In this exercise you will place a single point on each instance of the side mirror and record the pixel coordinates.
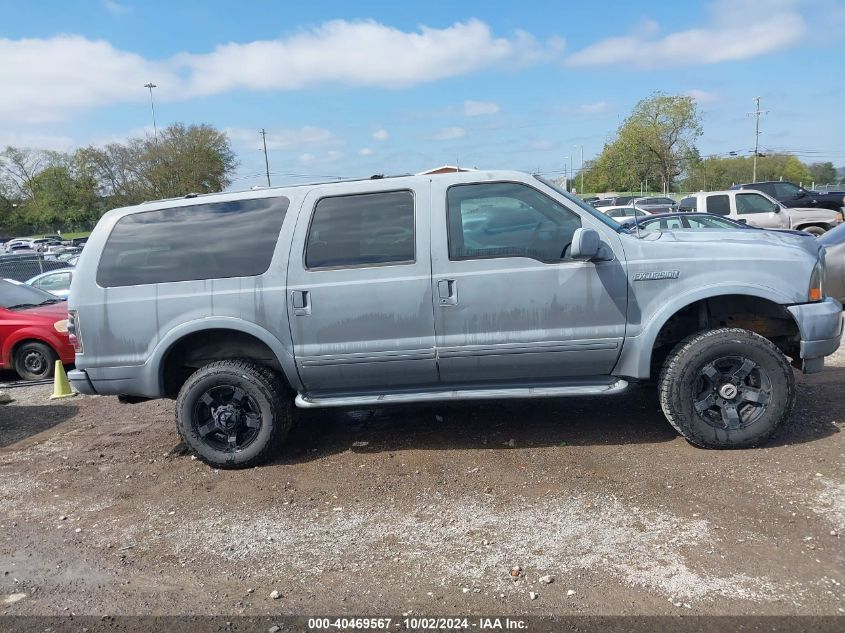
(585, 244)
(742, 221)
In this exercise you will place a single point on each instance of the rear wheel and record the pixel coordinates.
(35, 360)
(233, 414)
(726, 388)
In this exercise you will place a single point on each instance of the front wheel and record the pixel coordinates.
(726, 388)
(816, 231)
(35, 361)
(233, 414)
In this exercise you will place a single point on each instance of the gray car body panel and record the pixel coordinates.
(391, 329)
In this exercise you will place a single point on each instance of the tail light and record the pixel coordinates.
(73, 331)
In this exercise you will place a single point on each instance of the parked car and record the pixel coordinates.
(758, 209)
(834, 279)
(33, 331)
(656, 204)
(624, 212)
(78, 241)
(791, 195)
(23, 266)
(614, 201)
(469, 286)
(673, 221)
(56, 282)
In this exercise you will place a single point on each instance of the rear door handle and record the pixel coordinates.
(301, 302)
(447, 291)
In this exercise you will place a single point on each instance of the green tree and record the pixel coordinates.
(656, 143)
(823, 173)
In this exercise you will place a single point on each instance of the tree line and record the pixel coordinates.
(654, 148)
(43, 190)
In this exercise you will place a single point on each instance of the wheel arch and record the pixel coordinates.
(229, 332)
(637, 354)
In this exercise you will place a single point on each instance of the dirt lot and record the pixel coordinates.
(423, 510)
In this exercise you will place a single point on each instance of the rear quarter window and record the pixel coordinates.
(204, 241)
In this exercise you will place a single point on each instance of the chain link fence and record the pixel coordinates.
(22, 267)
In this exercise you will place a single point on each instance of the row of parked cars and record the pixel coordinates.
(776, 205)
(35, 277)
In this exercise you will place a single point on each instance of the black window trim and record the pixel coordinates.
(404, 262)
(501, 182)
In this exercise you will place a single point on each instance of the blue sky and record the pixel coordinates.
(354, 88)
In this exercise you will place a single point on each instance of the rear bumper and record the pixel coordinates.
(80, 382)
(820, 325)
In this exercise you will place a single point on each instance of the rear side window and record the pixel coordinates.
(361, 230)
(687, 204)
(720, 205)
(203, 241)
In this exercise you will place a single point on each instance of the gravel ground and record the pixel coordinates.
(423, 510)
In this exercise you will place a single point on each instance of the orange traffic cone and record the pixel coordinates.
(61, 386)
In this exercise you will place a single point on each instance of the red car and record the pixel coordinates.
(33, 331)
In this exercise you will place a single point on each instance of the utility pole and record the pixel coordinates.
(581, 190)
(756, 114)
(150, 86)
(266, 161)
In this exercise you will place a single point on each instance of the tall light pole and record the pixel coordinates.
(581, 147)
(566, 161)
(150, 86)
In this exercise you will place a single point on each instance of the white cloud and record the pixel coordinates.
(50, 79)
(284, 139)
(381, 135)
(594, 108)
(703, 96)
(365, 151)
(116, 8)
(478, 108)
(307, 159)
(359, 53)
(737, 29)
(58, 143)
(449, 134)
(333, 155)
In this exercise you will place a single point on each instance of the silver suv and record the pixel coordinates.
(473, 285)
(759, 209)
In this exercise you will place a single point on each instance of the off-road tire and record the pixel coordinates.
(682, 376)
(261, 386)
(24, 357)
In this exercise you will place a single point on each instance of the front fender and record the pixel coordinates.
(34, 334)
(635, 358)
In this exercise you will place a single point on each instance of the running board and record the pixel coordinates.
(599, 389)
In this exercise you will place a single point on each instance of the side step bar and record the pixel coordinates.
(597, 389)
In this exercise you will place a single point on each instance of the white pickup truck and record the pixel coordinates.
(758, 209)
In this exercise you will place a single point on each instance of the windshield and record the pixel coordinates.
(19, 296)
(601, 217)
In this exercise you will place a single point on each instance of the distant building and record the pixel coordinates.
(444, 169)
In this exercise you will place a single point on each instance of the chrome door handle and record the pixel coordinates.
(447, 290)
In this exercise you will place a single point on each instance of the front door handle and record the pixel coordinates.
(447, 291)
(301, 302)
